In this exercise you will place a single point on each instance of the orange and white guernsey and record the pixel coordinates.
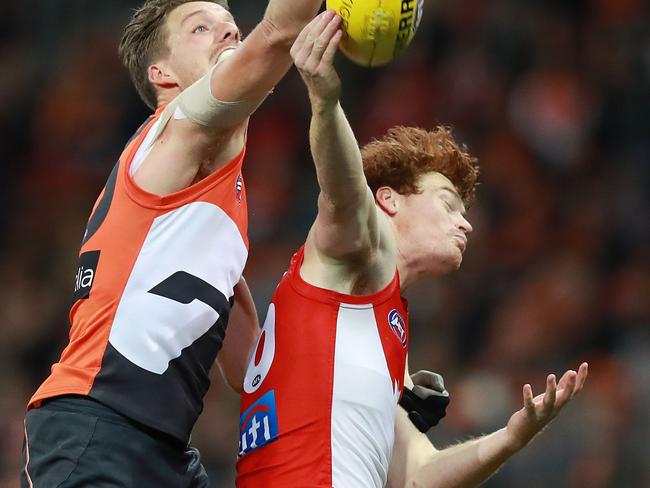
(152, 293)
(322, 388)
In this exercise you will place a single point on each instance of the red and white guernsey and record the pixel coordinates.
(152, 293)
(322, 387)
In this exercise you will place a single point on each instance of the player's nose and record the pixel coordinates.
(465, 226)
(230, 33)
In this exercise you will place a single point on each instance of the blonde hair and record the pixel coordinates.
(144, 40)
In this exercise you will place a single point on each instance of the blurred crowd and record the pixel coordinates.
(552, 96)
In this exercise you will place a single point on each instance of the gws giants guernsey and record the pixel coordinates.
(322, 386)
(152, 294)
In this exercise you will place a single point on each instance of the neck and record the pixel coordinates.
(408, 274)
(413, 266)
(406, 258)
(167, 96)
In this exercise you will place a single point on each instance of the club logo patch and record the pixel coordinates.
(83, 281)
(398, 325)
(258, 425)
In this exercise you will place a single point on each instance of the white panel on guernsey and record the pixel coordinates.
(198, 241)
(265, 346)
(144, 149)
(364, 404)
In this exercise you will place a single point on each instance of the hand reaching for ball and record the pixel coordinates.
(313, 54)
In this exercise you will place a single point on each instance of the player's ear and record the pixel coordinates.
(159, 76)
(387, 199)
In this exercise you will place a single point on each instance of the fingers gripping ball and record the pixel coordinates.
(376, 30)
(426, 404)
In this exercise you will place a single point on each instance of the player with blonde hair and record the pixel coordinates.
(160, 266)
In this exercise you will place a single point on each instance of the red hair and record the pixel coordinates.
(404, 154)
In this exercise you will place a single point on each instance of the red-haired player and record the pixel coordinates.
(320, 402)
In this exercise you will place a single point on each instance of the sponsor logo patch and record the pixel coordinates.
(398, 325)
(83, 281)
(258, 425)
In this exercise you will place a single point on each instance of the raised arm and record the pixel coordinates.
(204, 124)
(416, 462)
(263, 58)
(347, 225)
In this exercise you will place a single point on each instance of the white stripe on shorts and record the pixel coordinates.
(29, 478)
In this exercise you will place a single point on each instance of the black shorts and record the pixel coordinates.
(74, 442)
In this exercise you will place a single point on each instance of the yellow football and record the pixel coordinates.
(376, 30)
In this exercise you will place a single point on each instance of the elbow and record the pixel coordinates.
(235, 382)
(415, 481)
(414, 484)
(421, 474)
(236, 387)
(232, 376)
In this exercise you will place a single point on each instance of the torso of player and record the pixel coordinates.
(152, 293)
(322, 386)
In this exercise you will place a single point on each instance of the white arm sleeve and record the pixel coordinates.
(198, 104)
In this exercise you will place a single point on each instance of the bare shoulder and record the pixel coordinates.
(360, 274)
(181, 154)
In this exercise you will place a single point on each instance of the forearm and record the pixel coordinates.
(252, 71)
(334, 148)
(417, 463)
(464, 465)
(241, 335)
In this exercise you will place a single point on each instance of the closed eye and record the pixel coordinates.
(452, 201)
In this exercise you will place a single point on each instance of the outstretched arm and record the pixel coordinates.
(346, 225)
(204, 126)
(417, 463)
(257, 66)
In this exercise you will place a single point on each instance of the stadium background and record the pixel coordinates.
(554, 98)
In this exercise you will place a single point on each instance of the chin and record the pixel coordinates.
(454, 266)
(443, 265)
(454, 261)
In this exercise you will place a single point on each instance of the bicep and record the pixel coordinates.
(411, 450)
